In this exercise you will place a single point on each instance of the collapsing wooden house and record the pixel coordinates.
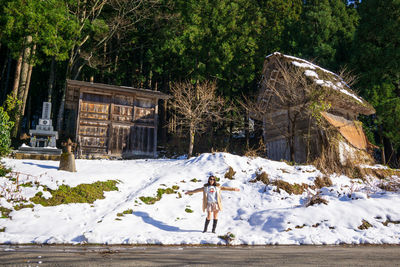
(309, 112)
(108, 120)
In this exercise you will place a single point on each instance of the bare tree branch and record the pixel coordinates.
(196, 106)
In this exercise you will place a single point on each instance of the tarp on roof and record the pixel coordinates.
(351, 130)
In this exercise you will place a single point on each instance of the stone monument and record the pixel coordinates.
(43, 138)
(44, 135)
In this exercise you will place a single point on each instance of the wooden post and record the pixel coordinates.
(77, 123)
(155, 127)
(110, 125)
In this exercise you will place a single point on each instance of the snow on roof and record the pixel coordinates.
(339, 84)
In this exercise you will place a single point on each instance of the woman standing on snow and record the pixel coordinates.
(211, 199)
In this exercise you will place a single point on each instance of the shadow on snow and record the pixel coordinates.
(41, 165)
(160, 225)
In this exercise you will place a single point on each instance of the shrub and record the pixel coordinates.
(83, 193)
(5, 129)
(3, 170)
(6, 124)
(189, 210)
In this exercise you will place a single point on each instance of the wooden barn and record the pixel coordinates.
(111, 121)
(309, 111)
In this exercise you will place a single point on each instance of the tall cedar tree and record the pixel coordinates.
(325, 32)
(377, 57)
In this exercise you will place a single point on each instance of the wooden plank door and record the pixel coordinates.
(93, 132)
(120, 139)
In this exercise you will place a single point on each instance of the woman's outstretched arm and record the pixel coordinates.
(226, 188)
(198, 190)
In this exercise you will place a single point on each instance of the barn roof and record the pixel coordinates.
(127, 89)
(328, 80)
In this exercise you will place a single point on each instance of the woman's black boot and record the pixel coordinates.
(214, 225)
(206, 225)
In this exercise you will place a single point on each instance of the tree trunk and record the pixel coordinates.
(61, 109)
(23, 82)
(5, 77)
(247, 128)
(264, 126)
(308, 159)
(8, 75)
(60, 115)
(292, 135)
(28, 81)
(383, 145)
(164, 122)
(50, 82)
(4, 67)
(29, 112)
(17, 74)
(191, 141)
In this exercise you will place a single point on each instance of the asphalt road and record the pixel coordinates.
(89, 255)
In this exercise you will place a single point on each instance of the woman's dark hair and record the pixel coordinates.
(215, 181)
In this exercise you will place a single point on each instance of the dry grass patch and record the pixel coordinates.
(261, 176)
(316, 199)
(364, 225)
(296, 189)
(386, 223)
(228, 237)
(392, 186)
(381, 173)
(230, 173)
(324, 181)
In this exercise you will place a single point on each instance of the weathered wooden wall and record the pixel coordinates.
(120, 124)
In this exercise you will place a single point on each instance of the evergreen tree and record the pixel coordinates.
(326, 32)
(217, 40)
(377, 57)
(29, 27)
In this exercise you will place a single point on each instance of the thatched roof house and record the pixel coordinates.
(308, 111)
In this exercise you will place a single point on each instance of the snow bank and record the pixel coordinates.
(256, 215)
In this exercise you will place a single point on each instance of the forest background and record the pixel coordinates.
(156, 43)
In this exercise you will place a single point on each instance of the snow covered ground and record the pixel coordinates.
(258, 214)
